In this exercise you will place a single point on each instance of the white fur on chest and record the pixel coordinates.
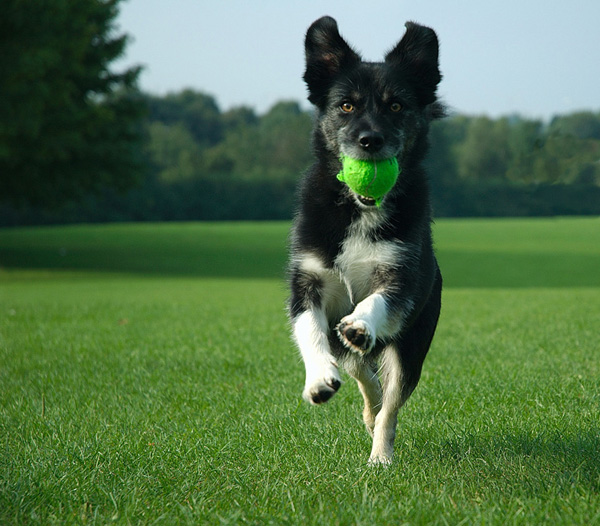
(359, 258)
(351, 278)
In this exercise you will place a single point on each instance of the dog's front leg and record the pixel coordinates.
(371, 319)
(322, 375)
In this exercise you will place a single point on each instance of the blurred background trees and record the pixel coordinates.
(78, 142)
(68, 124)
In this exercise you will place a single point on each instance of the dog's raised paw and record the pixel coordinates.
(321, 391)
(356, 335)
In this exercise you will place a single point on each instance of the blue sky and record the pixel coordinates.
(533, 57)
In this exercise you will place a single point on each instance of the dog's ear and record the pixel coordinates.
(417, 54)
(327, 55)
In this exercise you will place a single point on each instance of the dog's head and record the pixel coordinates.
(371, 110)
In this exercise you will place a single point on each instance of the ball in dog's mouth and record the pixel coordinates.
(370, 179)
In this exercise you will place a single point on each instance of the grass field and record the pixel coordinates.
(147, 377)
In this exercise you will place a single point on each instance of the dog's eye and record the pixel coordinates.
(347, 107)
(395, 107)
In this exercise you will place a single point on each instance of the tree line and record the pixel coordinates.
(79, 142)
(197, 162)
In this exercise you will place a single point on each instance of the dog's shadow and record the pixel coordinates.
(548, 460)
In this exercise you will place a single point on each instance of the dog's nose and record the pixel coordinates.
(371, 140)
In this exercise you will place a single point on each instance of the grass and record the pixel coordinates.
(147, 377)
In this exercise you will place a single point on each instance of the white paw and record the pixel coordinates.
(357, 335)
(321, 388)
(380, 460)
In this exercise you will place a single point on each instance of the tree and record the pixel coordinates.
(583, 125)
(276, 148)
(68, 124)
(526, 140)
(198, 112)
(174, 152)
(239, 117)
(285, 133)
(484, 154)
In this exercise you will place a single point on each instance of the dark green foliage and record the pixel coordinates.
(197, 112)
(275, 147)
(583, 125)
(68, 124)
(70, 135)
(515, 167)
(246, 166)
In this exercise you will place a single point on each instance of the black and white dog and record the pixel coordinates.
(365, 284)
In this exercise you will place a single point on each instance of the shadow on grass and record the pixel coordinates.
(188, 250)
(259, 250)
(254, 259)
(539, 463)
(519, 269)
(231, 263)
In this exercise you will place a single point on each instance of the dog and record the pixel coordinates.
(365, 286)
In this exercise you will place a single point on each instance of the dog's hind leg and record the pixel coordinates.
(393, 397)
(365, 374)
(401, 364)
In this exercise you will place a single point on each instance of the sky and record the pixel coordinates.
(535, 58)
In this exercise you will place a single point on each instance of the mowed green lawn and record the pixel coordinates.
(147, 376)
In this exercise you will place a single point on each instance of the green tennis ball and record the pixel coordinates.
(369, 178)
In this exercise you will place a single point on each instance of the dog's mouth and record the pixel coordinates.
(367, 201)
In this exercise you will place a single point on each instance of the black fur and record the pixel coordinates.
(369, 111)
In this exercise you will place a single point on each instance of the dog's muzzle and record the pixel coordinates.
(367, 201)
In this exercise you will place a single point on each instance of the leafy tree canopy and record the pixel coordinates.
(68, 124)
(198, 112)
